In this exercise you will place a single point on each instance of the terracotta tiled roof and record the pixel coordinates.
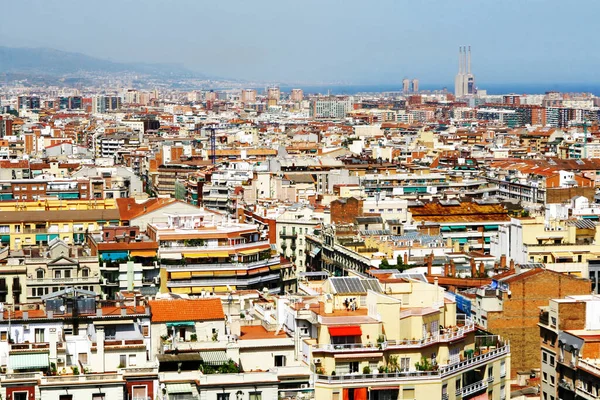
(259, 332)
(186, 310)
(129, 208)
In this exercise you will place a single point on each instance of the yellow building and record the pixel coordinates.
(400, 339)
(37, 223)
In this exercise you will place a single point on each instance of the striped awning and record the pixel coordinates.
(28, 361)
(173, 388)
(142, 253)
(206, 254)
(216, 357)
(171, 256)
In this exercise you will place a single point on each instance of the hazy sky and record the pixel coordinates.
(312, 41)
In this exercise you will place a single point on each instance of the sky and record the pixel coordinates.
(323, 41)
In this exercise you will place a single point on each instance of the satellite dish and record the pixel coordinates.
(62, 308)
(162, 386)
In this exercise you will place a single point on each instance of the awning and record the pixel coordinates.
(173, 388)
(113, 322)
(315, 251)
(563, 255)
(358, 355)
(114, 255)
(181, 275)
(349, 330)
(143, 253)
(181, 357)
(445, 229)
(28, 361)
(251, 251)
(216, 357)
(459, 228)
(171, 256)
(491, 227)
(384, 388)
(179, 324)
(206, 254)
(461, 240)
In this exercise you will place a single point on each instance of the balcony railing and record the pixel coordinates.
(253, 264)
(83, 378)
(29, 346)
(589, 366)
(448, 335)
(544, 318)
(176, 248)
(473, 388)
(442, 372)
(408, 375)
(473, 361)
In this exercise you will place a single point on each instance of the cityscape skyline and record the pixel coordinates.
(394, 48)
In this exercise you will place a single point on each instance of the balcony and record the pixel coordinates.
(85, 378)
(448, 335)
(288, 235)
(544, 318)
(29, 347)
(471, 389)
(589, 365)
(210, 267)
(442, 372)
(232, 249)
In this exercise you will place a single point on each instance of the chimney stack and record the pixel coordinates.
(429, 264)
(469, 58)
(473, 268)
(452, 268)
(502, 261)
(481, 269)
(446, 269)
(512, 265)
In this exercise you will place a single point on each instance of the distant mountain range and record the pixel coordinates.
(60, 63)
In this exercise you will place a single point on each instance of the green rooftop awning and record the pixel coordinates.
(491, 227)
(445, 229)
(179, 324)
(487, 239)
(459, 228)
(217, 357)
(461, 240)
(28, 361)
(173, 388)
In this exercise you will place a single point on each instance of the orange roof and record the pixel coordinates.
(186, 310)
(259, 332)
(129, 208)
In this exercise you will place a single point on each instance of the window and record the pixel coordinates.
(3, 336)
(85, 272)
(544, 357)
(39, 335)
(65, 397)
(255, 396)
(408, 393)
(491, 371)
(336, 396)
(132, 360)
(552, 361)
(280, 361)
(545, 377)
(503, 369)
(145, 330)
(552, 380)
(57, 274)
(40, 273)
(404, 364)
(98, 396)
(20, 395)
(122, 361)
(67, 273)
(83, 358)
(139, 392)
(222, 396)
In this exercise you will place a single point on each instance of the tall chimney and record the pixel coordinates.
(502, 261)
(473, 268)
(469, 71)
(429, 264)
(459, 60)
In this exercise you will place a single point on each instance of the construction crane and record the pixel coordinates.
(584, 124)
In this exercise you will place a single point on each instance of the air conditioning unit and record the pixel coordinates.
(304, 386)
(26, 327)
(60, 360)
(317, 361)
(156, 280)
